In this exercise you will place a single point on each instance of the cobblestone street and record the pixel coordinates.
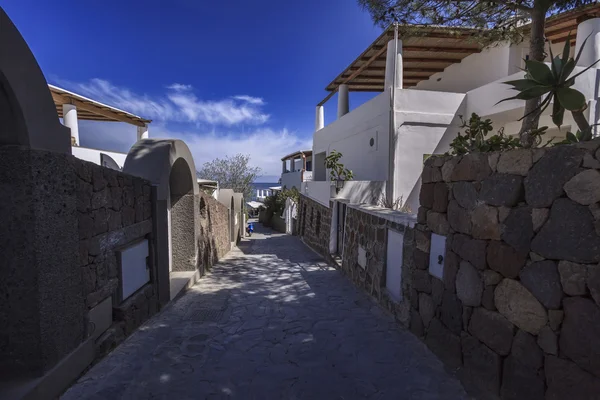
(271, 321)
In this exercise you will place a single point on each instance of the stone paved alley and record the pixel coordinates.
(271, 321)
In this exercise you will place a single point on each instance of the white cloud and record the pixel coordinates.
(249, 99)
(180, 114)
(179, 104)
(179, 86)
(265, 146)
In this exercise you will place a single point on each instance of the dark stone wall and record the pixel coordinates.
(41, 308)
(62, 220)
(213, 231)
(369, 230)
(113, 210)
(518, 310)
(314, 224)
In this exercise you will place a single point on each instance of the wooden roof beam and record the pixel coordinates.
(107, 113)
(356, 73)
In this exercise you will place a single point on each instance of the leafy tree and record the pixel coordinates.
(494, 21)
(232, 173)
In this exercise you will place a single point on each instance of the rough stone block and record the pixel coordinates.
(492, 329)
(471, 250)
(573, 277)
(102, 293)
(487, 298)
(444, 344)
(127, 216)
(580, 332)
(491, 277)
(546, 179)
(426, 309)
(525, 350)
(555, 318)
(520, 382)
(593, 282)
(584, 188)
(567, 381)
(459, 218)
(114, 220)
(483, 368)
(548, 341)
(101, 199)
(502, 190)
(517, 162)
(484, 223)
(493, 160)
(421, 259)
(116, 195)
(421, 281)
(466, 317)
(569, 234)
(469, 285)
(472, 167)
(519, 306)
(451, 265)
(440, 197)
(100, 221)
(437, 291)
(590, 162)
(448, 168)
(543, 281)
(465, 194)
(451, 313)
(431, 174)
(438, 223)
(539, 217)
(505, 259)
(422, 215)
(98, 179)
(86, 226)
(422, 240)
(426, 195)
(517, 229)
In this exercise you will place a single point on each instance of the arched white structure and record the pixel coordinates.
(27, 113)
(169, 165)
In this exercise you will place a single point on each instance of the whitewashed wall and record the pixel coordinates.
(93, 155)
(351, 136)
(423, 119)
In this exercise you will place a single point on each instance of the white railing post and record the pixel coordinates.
(70, 120)
(343, 101)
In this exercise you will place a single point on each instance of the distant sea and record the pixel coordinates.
(257, 186)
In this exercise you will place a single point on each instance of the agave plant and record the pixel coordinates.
(555, 82)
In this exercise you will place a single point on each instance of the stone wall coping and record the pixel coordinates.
(405, 219)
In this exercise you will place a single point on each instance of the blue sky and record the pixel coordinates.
(225, 76)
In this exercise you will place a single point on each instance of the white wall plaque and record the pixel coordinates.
(437, 255)
(362, 257)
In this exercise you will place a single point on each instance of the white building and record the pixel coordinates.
(72, 107)
(427, 82)
(297, 168)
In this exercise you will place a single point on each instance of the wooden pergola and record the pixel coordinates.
(88, 109)
(434, 49)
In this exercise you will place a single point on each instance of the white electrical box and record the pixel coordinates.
(437, 255)
(362, 257)
(393, 270)
(135, 271)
